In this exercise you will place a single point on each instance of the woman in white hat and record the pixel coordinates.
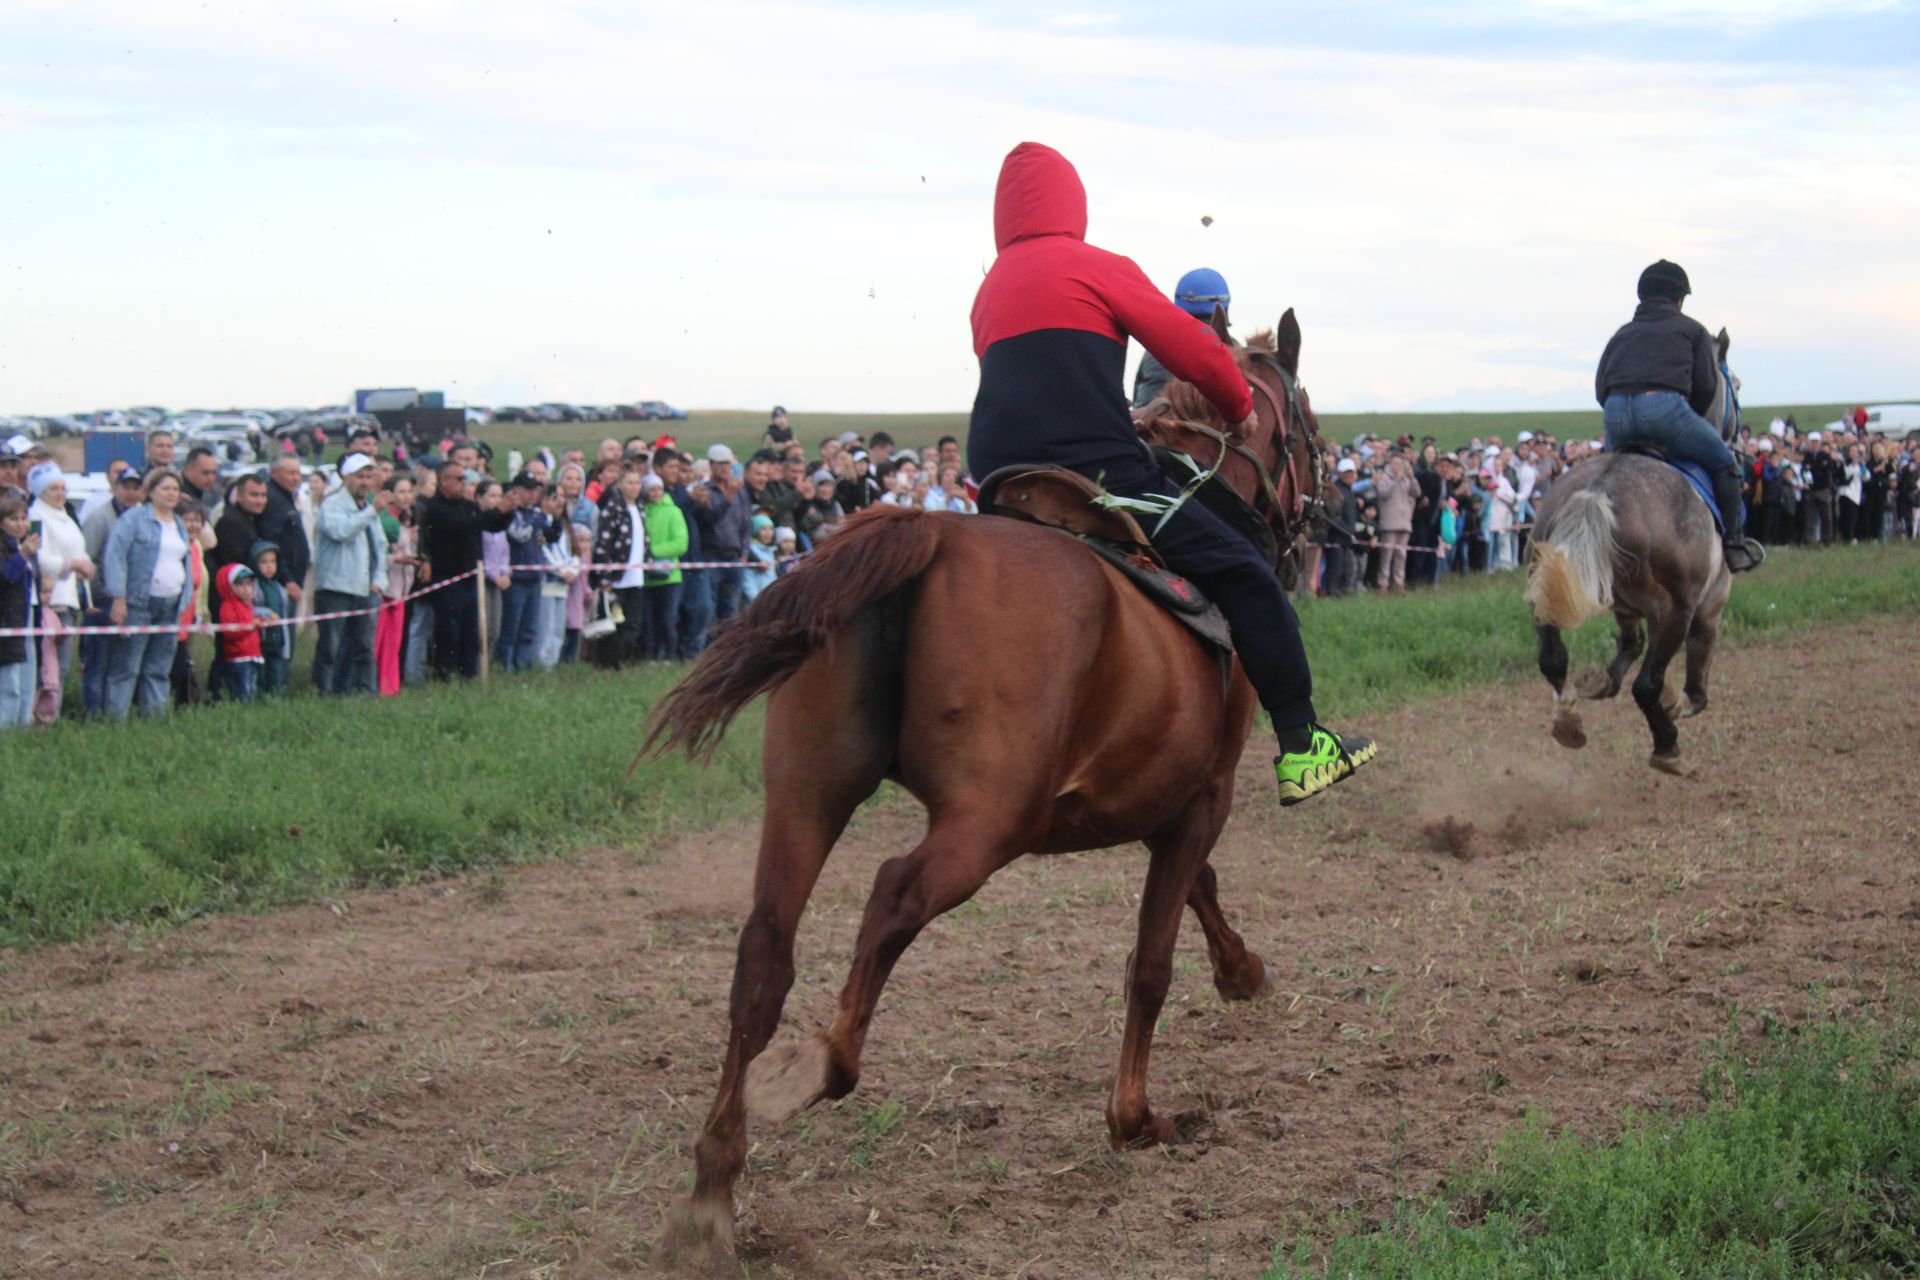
(64, 566)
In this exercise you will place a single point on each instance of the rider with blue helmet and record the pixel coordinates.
(1199, 291)
(1657, 378)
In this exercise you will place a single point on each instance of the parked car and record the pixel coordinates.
(514, 413)
(1894, 421)
(558, 412)
(656, 410)
(233, 438)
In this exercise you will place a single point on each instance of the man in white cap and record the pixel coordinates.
(722, 512)
(1340, 522)
(349, 567)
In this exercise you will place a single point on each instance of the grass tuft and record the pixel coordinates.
(1803, 1162)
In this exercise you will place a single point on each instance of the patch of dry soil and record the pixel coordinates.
(503, 1076)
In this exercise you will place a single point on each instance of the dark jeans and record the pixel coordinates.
(456, 631)
(1199, 545)
(343, 653)
(94, 651)
(663, 609)
(1340, 561)
(696, 611)
(238, 679)
(519, 625)
(726, 590)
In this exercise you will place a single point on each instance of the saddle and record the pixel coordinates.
(1067, 501)
(1695, 475)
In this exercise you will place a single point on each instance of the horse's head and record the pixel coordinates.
(1277, 468)
(1725, 413)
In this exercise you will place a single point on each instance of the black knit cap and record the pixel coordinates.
(1664, 280)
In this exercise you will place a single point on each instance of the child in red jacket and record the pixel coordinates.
(240, 650)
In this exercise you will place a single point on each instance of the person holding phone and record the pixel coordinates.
(19, 582)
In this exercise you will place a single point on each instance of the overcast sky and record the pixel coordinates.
(729, 204)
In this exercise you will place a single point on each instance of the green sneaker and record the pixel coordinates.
(1327, 759)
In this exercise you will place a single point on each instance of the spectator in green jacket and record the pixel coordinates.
(666, 541)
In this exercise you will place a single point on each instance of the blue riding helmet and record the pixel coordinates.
(1200, 290)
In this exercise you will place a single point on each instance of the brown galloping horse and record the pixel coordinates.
(1073, 715)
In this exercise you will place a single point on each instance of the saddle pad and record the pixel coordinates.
(1171, 592)
(1703, 485)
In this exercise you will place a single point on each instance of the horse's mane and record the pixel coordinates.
(1263, 341)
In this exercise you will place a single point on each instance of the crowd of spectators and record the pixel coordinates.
(410, 569)
(1402, 514)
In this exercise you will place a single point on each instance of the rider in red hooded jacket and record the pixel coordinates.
(1050, 325)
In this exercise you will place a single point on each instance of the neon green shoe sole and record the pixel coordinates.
(1329, 759)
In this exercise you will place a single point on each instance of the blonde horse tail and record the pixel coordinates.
(1570, 577)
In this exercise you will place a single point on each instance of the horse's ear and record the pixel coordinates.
(1220, 324)
(1286, 343)
(1721, 342)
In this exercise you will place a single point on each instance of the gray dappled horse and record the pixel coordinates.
(1627, 533)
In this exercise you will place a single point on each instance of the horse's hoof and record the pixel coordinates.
(698, 1237)
(1594, 684)
(1667, 763)
(1693, 709)
(786, 1079)
(1568, 733)
(1158, 1131)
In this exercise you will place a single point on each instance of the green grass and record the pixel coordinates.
(741, 428)
(1373, 653)
(1803, 1162)
(241, 807)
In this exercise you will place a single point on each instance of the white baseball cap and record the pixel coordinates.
(1526, 437)
(1813, 435)
(1348, 464)
(719, 453)
(1764, 445)
(354, 462)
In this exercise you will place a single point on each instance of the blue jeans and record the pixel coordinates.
(663, 608)
(95, 653)
(343, 651)
(240, 679)
(19, 685)
(519, 625)
(144, 660)
(413, 663)
(727, 585)
(696, 610)
(1665, 419)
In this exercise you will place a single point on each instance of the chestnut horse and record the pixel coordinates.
(1114, 725)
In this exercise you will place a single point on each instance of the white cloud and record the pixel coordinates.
(277, 204)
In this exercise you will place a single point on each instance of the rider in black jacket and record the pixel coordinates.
(1656, 378)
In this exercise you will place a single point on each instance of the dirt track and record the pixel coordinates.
(503, 1076)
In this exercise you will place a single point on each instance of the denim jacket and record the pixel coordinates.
(350, 550)
(133, 548)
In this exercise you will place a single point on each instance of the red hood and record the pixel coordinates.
(1039, 195)
(223, 580)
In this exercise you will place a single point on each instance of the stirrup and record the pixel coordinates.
(1743, 554)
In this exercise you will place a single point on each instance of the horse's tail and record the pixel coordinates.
(873, 555)
(1571, 575)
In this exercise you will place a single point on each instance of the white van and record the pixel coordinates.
(1894, 421)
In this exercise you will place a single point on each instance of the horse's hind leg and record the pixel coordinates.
(1632, 640)
(1238, 974)
(946, 869)
(1700, 641)
(1179, 854)
(1651, 692)
(1567, 730)
(807, 807)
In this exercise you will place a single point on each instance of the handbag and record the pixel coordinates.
(606, 619)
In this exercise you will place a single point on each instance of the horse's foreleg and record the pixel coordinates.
(946, 869)
(1650, 688)
(1238, 973)
(1178, 858)
(1567, 730)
